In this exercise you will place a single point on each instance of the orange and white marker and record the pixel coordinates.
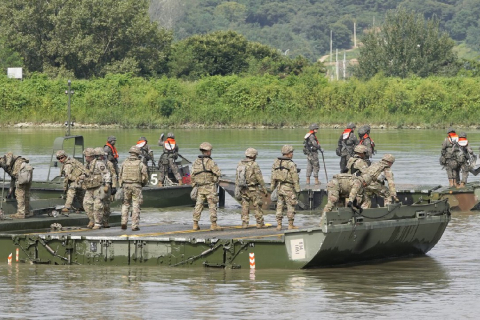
(252, 260)
(16, 255)
(10, 258)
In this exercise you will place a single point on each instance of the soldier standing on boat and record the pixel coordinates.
(346, 144)
(205, 175)
(250, 184)
(167, 159)
(71, 170)
(133, 176)
(466, 158)
(145, 151)
(367, 141)
(111, 151)
(20, 172)
(285, 179)
(96, 182)
(448, 157)
(310, 149)
(100, 153)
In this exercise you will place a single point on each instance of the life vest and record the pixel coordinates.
(453, 137)
(141, 143)
(346, 134)
(365, 136)
(114, 150)
(169, 145)
(463, 142)
(132, 171)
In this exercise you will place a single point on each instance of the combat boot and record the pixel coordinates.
(290, 225)
(90, 225)
(97, 226)
(124, 226)
(316, 181)
(461, 185)
(66, 210)
(106, 225)
(261, 226)
(308, 180)
(279, 225)
(17, 216)
(450, 182)
(135, 228)
(160, 184)
(244, 225)
(195, 225)
(214, 226)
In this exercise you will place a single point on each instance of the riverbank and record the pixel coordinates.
(122, 101)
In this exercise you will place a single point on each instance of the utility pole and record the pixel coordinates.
(331, 50)
(336, 62)
(69, 92)
(344, 65)
(354, 34)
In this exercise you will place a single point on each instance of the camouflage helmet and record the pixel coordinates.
(351, 125)
(367, 128)
(360, 148)
(388, 157)
(361, 131)
(286, 149)
(143, 138)
(111, 138)
(89, 152)
(99, 151)
(462, 135)
(449, 130)
(314, 126)
(170, 135)
(134, 149)
(206, 146)
(61, 154)
(251, 152)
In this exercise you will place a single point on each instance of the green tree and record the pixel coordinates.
(8, 57)
(231, 11)
(86, 37)
(406, 44)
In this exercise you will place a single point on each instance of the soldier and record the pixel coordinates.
(20, 172)
(346, 144)
(374, 178)
(310, 149)
(366, 140)
(100, 153)
(285, 180)
(96, 182)
(111, 151)
(72, 169)
(133, 176)
(344, 186)
(145, 151)
(250, 182)
(167, 159)
(448, 158)
(205, 175)
(357, 165)
(466, 158)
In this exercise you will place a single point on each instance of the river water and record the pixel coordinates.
(444, 284)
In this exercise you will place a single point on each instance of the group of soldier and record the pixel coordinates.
(359, 179)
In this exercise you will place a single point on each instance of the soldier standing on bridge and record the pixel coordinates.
(366, 140)
(72, 169)
(167, 159)
(311, 146)
(346, 144)
(111, 151)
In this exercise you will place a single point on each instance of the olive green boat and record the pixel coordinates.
(343, 237)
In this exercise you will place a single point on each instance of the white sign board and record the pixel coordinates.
(14, 73)
(297, 247)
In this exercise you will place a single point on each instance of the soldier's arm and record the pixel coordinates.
(144, 171)
(444, 145)
(296, 179)
(107, 178)
(391, 184)
(215, 169)
(313, 142)
(259, 177)
(368, 144)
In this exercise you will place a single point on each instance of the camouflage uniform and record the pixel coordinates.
(111, 151)
(205, 174)
(364, 135)
(72, 169)
(311, 148)
(167, 159)
(346, 144)
(374, 178)
(133, 176)
(285, 179)
(448, 159)
(112, 187)
(15, 165)
(344, 186)
(145, 151)
(466, 158)
(253, 192)
(96, 183)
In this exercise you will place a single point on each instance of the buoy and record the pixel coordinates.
(252, 260)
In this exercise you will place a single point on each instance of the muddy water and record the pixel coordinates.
(443, 284)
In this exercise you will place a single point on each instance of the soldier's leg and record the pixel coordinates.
(27, 198)
(127, 198)
(212, 200)
(70, 196)
(309, 167)
(245, 206)
(20, 194)
(106, 208)
(98, 208)
(291, 201)
(367, 200)
(333, 195)
(174, 168)
(465, 173)
(343, 164)
(197, 211)
(280, 206)
(137, 200)
(161, 175)
(257, 205)
(315, 165)
(88, 206)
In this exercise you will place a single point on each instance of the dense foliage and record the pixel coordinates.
(303, 26)
(406, 44)
(235, 100)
